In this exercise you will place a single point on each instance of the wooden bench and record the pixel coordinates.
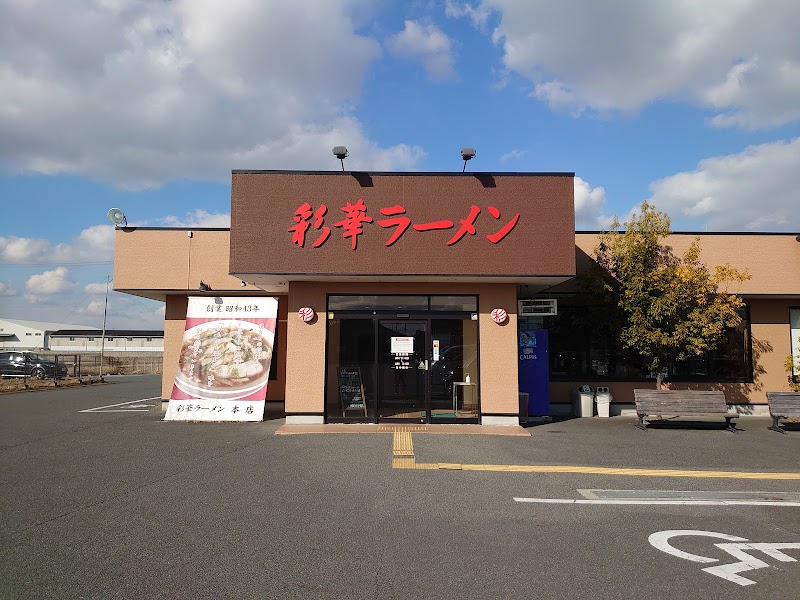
(783, 405)
(681, 403)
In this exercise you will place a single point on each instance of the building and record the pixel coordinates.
(56, 337)
(19, 334)
(414, 282)
(116, 340)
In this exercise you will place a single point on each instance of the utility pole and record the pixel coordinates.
(103, 338)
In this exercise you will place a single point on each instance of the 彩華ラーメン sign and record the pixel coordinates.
(295, 226)
(225, 359)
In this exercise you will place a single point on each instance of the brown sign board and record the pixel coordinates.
(512, 225)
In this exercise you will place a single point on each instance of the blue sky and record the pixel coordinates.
(148, 106)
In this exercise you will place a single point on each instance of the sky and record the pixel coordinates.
(147, 105)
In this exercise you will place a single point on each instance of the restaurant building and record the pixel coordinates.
(438, 297)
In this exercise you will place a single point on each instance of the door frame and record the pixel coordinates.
(380, 313)
(426, 383)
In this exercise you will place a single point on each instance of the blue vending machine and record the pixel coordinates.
(534, 370)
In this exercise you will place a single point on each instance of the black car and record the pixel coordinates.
(20, 364)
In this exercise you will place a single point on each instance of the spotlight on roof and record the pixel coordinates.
(204, 287)
(798, 237)
(467, 154)
(340, 152)
(243, 284)
(117, 217)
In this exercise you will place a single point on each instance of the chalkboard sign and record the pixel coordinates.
(351, 390)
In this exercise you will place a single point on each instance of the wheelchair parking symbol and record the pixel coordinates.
(738, 547)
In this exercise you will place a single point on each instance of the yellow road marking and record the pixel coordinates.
(403, 446)
(403, 458)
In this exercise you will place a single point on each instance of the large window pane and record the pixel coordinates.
(582, 346)
(454, 369)
(454, 303)
(397, 303)
(351, 356)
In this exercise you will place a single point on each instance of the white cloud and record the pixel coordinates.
(428, 43)
(589, 204)
(96, 307)
(198, 218)
(95, 288)
(478, 14)
(513, 155)
(740, 59)
(754, 190)
(94, 244)
(7, 290)
(143, 92)
(50, 282)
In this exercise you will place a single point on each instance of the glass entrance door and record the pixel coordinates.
(402, 370)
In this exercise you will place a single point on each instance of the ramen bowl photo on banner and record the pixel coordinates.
(225, 359)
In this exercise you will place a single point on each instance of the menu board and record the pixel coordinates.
(351, 390)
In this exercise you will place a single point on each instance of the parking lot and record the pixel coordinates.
(102, 499)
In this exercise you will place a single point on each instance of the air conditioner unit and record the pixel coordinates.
(537, 307)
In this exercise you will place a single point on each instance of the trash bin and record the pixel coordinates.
(603, 398)
(583, 401)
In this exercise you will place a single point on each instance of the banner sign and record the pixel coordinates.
(534, 370)
(225, 359)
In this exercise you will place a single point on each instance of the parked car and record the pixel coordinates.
(20, 364)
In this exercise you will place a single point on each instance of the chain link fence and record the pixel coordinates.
(87, 364)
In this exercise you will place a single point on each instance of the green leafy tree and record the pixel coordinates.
(670, 307)
(792, 366)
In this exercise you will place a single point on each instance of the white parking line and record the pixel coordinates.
(659, 502)
(130, 409)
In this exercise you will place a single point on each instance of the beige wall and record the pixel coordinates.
(773, 260)
(305, 371)
(154, 262)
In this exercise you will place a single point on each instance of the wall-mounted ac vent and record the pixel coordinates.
(537, 307)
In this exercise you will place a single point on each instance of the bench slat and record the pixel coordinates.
(681, 403)
(784, 404)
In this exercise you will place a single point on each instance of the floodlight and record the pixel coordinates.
(467, 154)
(340, 152)
(117, 217)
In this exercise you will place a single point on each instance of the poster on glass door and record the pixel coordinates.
(225, 358)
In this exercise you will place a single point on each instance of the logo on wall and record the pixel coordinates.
(306, 314)
(499, 315)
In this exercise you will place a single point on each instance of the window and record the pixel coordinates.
(28, 333)
(582, 347)
(71, 339)
(91, 339)
(39, 334)
(109, 339)
(149, 339)
(129, 339)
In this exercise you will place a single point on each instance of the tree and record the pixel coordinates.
(671, 308)
(792, 366)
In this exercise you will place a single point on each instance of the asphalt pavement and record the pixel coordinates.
(116, 503)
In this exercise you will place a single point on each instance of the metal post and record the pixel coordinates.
(103, 339)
